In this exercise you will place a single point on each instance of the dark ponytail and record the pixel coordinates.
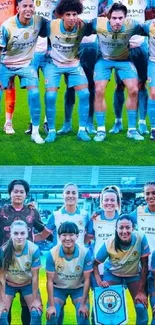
(8, 254)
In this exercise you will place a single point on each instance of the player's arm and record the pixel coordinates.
(90, 28)
(36, 264)
(103, 7)
(45, 30)
(142, 291)
(46, 231)
(88, 268)
(100, 258)
(50, 273)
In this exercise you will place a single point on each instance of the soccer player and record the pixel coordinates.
(126, 262)
(114, 34)
(17, 210)
(102, 224)
(139, 56)
(18, 39)
(151, 286)
(144, 215)
(149, 28)
(68, 212)
(88, 53)
(65, 38)
(21, 260)
(8, 10)
(68, 268)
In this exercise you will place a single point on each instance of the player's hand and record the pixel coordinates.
(84, 311)
(141, 298)
(95, 214)
(2, 307)
(79, 24)
(51, 311)
(37, 304)
(103, 284)
(31, 205)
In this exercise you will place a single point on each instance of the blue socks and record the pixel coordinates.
(100, 118)
(151, 112)
(50, 102)
(34, 104)
(132, 118)
(83, 95)
(142, 103)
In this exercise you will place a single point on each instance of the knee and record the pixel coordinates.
(152, 93)
(133, 90)
(50, 96)
(99, 91)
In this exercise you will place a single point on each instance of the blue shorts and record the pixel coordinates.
(52, 74)
(28, 76)
(139, 57)
(24, 290)
(39, 60)
(151, 74)
(64, 293)
(108, 276)
(125, 69)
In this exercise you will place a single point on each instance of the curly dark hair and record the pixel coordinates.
(69, 5)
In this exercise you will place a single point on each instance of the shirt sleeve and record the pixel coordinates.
(50, 265)
(88, 264)
(145, 249)
(90, 230)
(153, 261)
(133, 215)
(102, 254)
(36, 261)
(45, 28)
(1, 258)
(4, 36)
(51, 223)
(146, 27)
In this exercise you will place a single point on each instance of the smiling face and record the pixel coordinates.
(25, 10)
(109, 202)
(68, 240)
(149, 195)
(70, 18)
(124, 230)
(117, 20)
(70, 196)
(18, 234)
(18, 195)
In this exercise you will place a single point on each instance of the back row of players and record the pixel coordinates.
(126, 248)
(72, 40)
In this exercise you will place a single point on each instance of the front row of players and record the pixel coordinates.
(17, 44)
(69, 268)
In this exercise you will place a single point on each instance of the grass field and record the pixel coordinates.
(69, 312)
(67, 150)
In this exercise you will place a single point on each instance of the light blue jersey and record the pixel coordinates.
(80, 218)
(125, 262)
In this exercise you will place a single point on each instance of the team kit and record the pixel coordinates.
(102, 251)
(84, 41)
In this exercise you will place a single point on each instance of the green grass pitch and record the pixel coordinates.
(69, 311)
(18, 149)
